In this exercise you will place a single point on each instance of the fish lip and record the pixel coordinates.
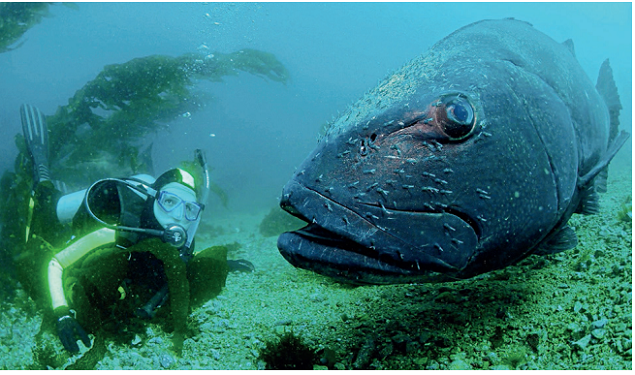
(322, 257)
(346, 256)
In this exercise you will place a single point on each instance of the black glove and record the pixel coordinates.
(69, 331)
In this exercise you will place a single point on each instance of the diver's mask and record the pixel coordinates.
(175, 204)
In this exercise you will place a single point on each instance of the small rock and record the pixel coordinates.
(339, 366)
(583, 342)
(598, 333)
(459, 364)
(365, 355)
(434, 365)
(577, 307)
(136, 340)
(215, 354)
(166, 360)
(492, 357)
(599, 323)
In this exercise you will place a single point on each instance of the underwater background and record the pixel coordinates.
(565, 311)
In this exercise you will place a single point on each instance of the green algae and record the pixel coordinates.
(625, 213)
(16, 19)
(207, 273)
(287, 352)
(124, 103)
(127, 102)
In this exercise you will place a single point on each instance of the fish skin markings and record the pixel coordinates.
(441, 211)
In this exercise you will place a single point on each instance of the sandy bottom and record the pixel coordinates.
(571, 310)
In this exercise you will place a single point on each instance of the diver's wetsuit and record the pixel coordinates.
(102, 269)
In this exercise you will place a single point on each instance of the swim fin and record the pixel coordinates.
(37, 138)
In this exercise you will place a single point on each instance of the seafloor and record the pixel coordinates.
(571, 310)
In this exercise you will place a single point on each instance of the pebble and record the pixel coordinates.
(459, 364)
(166, 360)
(577, 307)
(598, 333)
(364, 355)
(599, 323)
(215, 354)
(583, 342)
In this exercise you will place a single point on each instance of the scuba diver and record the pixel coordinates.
(109, 225)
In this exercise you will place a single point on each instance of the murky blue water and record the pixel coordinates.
(263, 130)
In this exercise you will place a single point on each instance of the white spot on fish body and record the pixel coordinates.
(429, 189)
(382, 191)
(440, 181)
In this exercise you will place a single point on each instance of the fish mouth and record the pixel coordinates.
(340, 243)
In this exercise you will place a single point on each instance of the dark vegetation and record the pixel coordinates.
(288, 352)
(16, 19)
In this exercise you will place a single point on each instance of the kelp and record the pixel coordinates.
(128, 101)
(100, 131)
(188, 286)
(207, 273)
(16, 19)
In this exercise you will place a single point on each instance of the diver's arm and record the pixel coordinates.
(70, 255)
(68, 330)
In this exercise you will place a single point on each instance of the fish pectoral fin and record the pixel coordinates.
(590, 200)
(596, 179)
(564, 239)
(613, 148)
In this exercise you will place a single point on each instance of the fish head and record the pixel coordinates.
(446, 182)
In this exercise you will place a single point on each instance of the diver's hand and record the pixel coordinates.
(69, 331)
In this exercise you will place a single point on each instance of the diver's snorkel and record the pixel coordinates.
(174, 234)
(199, 156)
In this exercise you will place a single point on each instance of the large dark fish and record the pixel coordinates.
(464, 161)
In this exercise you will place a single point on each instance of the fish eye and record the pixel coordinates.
(460, 119)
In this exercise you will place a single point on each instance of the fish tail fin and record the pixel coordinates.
(608, 90)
